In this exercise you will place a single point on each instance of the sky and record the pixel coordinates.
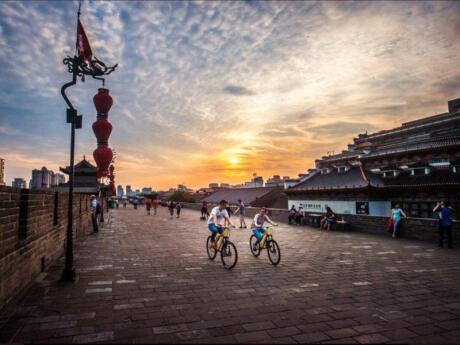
(210, 91)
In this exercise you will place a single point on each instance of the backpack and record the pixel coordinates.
(390, 224)
(446, 216)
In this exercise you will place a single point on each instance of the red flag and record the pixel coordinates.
(83, 48)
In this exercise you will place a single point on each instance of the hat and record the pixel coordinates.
(92, 197)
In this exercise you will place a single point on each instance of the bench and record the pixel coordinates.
(341, 225)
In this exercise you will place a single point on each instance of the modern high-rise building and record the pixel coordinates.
(147, 190)
(19, 183)
(2, 172)
(120, 191)
(45, 178)
(129, 191)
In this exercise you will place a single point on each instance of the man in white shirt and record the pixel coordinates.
(217, 217)
(257, 226)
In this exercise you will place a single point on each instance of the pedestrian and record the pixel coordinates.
(124, 203)
(148, 205)
(204, 211)
(397, 213)
(178, 209)
(135, 202)
(445, 222)
(155, 206)
(171, 207)
(93, 208)
(241, 211)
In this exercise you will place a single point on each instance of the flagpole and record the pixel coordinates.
(79, 65)
(68, 274)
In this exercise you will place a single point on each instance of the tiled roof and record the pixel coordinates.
(352, 179)
(441, 119)
(247, 195)
(414, 147)
(435, 178)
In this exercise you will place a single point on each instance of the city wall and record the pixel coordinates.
(413, 228)
(33, 226)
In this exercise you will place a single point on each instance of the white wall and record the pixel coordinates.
(376, 208)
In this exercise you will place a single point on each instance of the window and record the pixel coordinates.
(342, 169)
(420, 171)
(390, 173)
(325, 171)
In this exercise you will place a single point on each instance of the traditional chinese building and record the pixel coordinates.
(85, 178)
(416, 164)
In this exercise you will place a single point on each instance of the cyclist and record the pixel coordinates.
(217, 217)
(258, 225)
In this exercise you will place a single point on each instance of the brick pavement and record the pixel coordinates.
(147, 279)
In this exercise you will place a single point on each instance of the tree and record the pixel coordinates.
(181, 197)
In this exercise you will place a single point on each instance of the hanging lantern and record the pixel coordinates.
(103, 101)
(103, 156)
(102, 130)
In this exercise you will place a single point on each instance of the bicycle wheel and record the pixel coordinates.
(274, 253)
(210, 249)
(253, 240)
(229, 255)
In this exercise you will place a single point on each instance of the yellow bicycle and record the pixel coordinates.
(222, 244)
(267, 242)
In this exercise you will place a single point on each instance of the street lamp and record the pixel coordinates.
(78, 67)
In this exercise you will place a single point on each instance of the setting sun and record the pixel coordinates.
(233, 161)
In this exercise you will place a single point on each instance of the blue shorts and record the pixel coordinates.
(214, 229)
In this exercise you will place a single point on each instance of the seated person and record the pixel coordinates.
(258, 225)
(299, 216)
(292, 213)
(328, 220)
(218, 216)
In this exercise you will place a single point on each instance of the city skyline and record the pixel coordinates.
(214, 91)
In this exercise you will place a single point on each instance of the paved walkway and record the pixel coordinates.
(147, 279)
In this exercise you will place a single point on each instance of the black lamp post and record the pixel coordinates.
(79, 68)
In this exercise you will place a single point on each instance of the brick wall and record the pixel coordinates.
(412, 228)
(33, 227)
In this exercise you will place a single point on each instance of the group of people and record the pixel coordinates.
(220, 217)
(326, 222)
(174, 206)
(149, 204)
(442, 210)
(240, 210)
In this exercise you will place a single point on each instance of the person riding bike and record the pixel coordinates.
(217, 217)
(258, 225)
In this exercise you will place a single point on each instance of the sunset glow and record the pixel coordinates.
(215, 91)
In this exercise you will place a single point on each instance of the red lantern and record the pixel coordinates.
(102, 101)
(103, 156)
(102, 129)
(101, 174)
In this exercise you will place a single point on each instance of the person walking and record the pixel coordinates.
(155, 206)
(148, 205)
(397, 213)
(171, 207)
(445, 222)
(204, 211)
(241, 211)
(93, 209)
(178, 209)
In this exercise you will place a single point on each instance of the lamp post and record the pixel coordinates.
(78, 67)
